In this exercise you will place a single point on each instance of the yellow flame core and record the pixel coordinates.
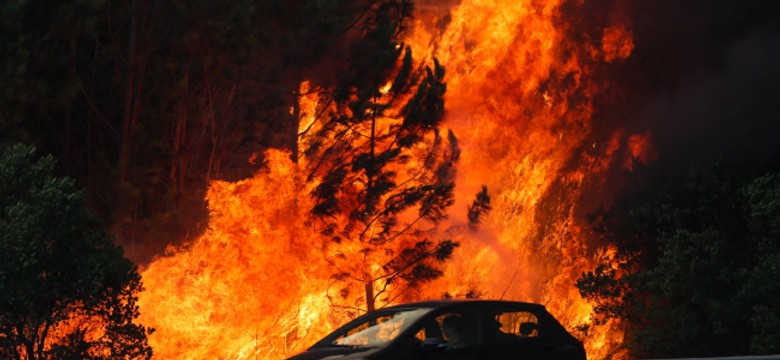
(255, 285)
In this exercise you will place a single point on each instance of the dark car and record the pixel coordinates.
(451, 329)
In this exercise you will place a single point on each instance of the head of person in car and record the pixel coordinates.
(454, 328)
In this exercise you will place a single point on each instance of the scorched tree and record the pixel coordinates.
(386, 167)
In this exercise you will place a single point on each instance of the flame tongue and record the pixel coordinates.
(232, 292)
(519, 97)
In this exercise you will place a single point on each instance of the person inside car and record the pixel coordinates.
(454, 329)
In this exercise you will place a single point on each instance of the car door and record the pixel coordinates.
(513, 332)
(439, 344)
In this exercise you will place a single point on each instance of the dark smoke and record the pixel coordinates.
(704, 78)
(731, 109)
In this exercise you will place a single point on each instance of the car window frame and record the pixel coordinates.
(473, 309)
(495, 309)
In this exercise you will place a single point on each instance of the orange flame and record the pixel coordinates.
(520, 93)
(523, 110)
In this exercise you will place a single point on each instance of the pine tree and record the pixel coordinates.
(386, 168)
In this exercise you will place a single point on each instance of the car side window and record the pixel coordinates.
(453, 329)
(519, 323)
(511, 324)
(459, 329)
(430, 333)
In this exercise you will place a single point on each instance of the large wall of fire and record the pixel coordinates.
(528, 84)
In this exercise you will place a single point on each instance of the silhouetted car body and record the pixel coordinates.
(489, 330)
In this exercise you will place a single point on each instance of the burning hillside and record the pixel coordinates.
(522, 79)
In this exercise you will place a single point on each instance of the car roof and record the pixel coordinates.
(447, 302)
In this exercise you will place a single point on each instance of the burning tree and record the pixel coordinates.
(67, 290)
(386, 168)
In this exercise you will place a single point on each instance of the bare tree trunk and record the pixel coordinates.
(370, 301)
(130, 115)
(137, 48)
(296, 117)
(179, 139)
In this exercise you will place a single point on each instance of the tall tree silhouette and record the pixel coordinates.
(385, 166)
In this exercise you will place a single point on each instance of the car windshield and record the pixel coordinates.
(378, 328)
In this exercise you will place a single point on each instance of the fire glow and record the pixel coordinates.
(256, 285)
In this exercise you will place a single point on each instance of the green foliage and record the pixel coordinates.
(696, 264)
(68, 292)
(763, 213)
